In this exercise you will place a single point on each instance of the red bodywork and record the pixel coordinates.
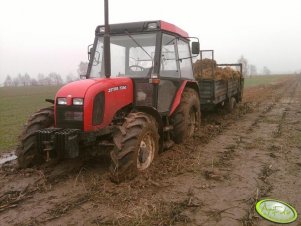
(173, 28)
(177, 99)
(115, 98)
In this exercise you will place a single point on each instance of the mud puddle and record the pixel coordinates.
(7, 157)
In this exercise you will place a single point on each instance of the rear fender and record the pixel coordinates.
(177, 99)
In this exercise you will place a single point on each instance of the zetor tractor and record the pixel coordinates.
(139, 96)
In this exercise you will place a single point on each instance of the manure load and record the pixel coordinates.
(209, 69)
(221, 85)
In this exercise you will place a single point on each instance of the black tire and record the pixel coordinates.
(230, 104)
(136, 146)
(186, 119)
(27, 152)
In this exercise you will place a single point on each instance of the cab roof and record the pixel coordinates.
(144, 26)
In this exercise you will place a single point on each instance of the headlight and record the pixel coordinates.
(61, 101)
(152, 26)
(101, 29)
(78, 101)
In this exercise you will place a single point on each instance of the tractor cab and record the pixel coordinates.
(142, 49)
(155, 54)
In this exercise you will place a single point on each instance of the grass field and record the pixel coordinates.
(263, 80)
(18, 103)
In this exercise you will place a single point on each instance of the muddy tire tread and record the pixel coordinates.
(179, 118)
(26, 150)
(126, 138)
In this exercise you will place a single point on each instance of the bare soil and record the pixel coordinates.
(214, 179)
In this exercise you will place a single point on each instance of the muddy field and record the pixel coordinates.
(214, 179)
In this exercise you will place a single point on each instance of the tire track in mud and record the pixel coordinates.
(202, 182)
(43, 195)
(282, 176)
(252, 142)
(264, 185)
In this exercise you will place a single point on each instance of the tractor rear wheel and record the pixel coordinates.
(136, 146)
(186, 119)
(27, 152)
(230, 104)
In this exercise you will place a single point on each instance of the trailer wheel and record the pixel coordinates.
(26, 151)
(230, 104)
(136, 146)
(187, 117)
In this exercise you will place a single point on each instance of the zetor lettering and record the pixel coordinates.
(116, 88)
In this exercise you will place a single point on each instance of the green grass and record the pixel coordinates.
(16, 105)
(263, 80)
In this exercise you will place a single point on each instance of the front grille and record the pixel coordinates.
(58, 143)
(71, 117)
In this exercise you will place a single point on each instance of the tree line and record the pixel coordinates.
(55, 79)
(52, 79)
(42, 80)
(251, 69)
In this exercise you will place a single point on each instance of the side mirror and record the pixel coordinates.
(195, 48)
(90, 47)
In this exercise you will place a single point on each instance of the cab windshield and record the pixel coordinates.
(131, 55)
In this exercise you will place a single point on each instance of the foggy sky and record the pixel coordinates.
(52, 35)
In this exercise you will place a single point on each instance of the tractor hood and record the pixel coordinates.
(107, 95)
(76, 89)
(79, 89)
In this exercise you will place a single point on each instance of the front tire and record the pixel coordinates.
(27, 151)
(187, 117)
(136, 146)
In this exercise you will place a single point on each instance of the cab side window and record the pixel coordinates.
(169, 67)
(185, 60)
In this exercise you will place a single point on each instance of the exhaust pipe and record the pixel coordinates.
(106, 46)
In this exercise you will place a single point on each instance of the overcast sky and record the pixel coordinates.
(52, 35)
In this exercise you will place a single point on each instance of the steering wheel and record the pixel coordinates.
(137, 66)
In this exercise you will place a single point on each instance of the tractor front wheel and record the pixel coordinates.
(27, 152)
(136, 146)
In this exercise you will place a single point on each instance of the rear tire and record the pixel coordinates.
(136, 146)
(186, 119)
(230, 104)
(27, 152)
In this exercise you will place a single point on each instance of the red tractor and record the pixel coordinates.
(139, 96)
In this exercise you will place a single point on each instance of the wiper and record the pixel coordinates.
(138, 44)
(167, 43)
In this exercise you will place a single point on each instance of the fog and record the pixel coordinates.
(52, 36)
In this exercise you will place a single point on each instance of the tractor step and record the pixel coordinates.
(167, 128)
(168, 144)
